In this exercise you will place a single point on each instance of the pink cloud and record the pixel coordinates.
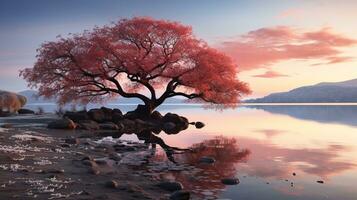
(267, 46)
(270, 74)
(295, 13)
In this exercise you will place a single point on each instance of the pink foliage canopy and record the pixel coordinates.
(130, 55)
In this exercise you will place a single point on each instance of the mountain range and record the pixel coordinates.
(325, 92)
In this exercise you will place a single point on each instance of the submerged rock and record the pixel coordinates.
(77, 116)
(170, 186)
(230, 181)
(62, 124)
(23, 111)
(88, 125)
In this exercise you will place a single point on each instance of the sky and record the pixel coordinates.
(277, 45)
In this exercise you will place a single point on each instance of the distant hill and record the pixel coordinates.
(325, 92)
(32, 97)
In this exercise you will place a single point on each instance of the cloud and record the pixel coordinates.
(265, 47)
(295, 13)
(270, 74)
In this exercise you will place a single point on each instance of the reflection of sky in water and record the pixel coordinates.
(284, 140)
(315, 142)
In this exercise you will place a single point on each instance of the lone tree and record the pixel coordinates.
(132, 55)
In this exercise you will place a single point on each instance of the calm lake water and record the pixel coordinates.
(276, 151)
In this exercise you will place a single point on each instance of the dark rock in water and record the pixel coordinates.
(72, 141)
(170, 186)
(64, 123)
(77, 116)
(112, 184)
(230, 181)
(88, 125)
(23, 111)
(199, 124)
(321, 182)
(108, 126)
(156, 115)
(180, 195)
(207, 160)
(180, 122)
(294, 174)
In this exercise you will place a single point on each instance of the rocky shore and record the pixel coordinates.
(81, 155)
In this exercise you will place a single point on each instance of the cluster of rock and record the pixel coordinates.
(10, 102)
(113, 119)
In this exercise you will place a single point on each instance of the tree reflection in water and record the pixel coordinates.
(201, 179)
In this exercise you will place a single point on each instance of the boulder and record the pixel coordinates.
(108, 126)
(181, 123)
(64, 123)
(10, 102)
(24, 111)
(117, 115)
(96, 115)
(108, 113)
(77, 116)
(88, 125)
(141, 112)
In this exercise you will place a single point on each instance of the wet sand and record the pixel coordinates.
(51, 164)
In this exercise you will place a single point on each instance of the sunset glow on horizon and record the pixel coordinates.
(277, 46)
